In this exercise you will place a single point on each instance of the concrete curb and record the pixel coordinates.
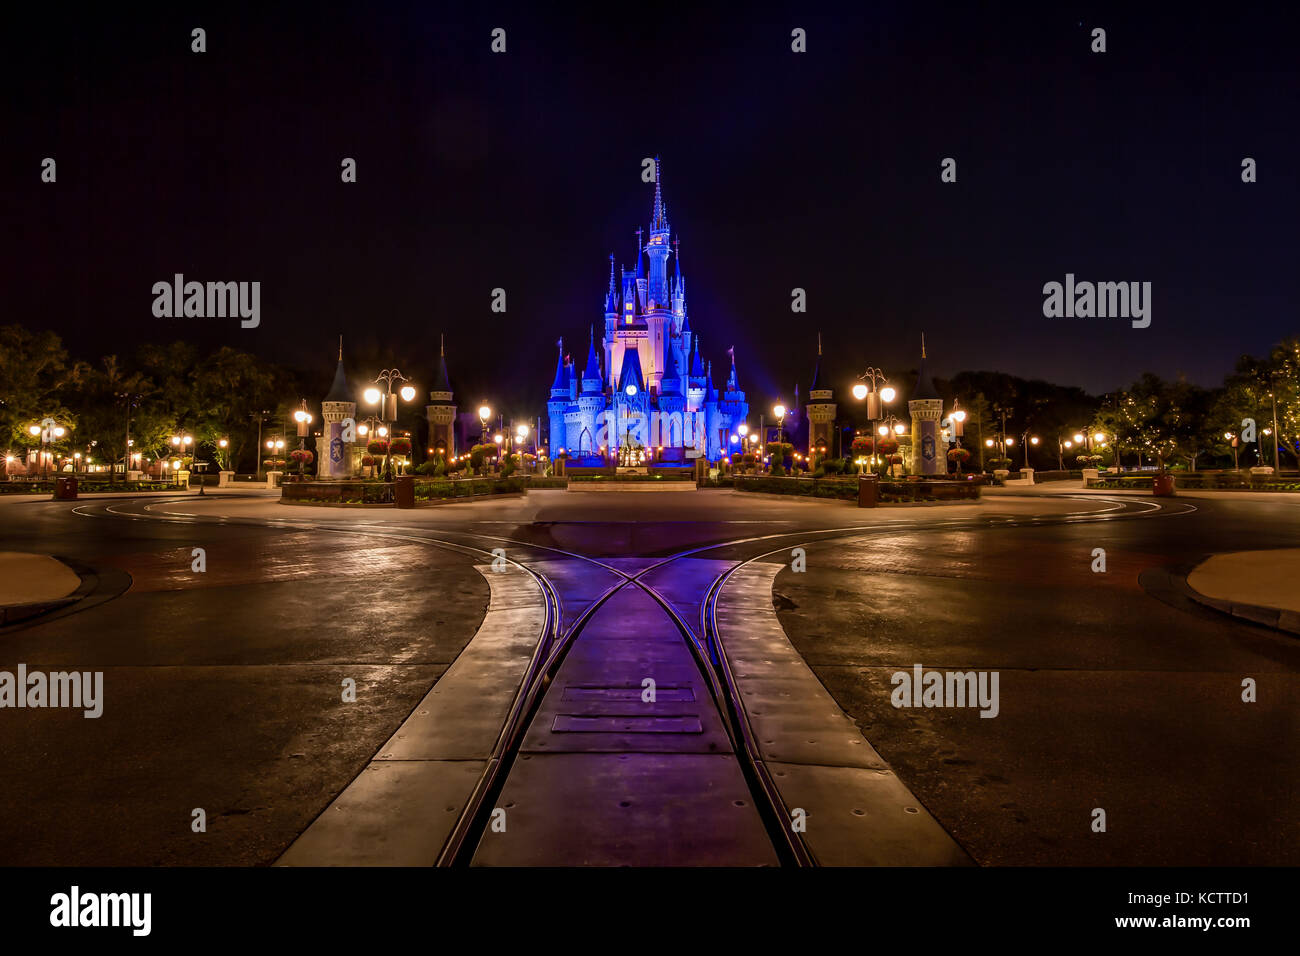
(1276, 618)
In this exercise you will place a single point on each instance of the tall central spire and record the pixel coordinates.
(660, 216)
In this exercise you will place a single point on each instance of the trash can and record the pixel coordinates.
(65, 489)
(404, 491)
(1162, 486)
(868, 490)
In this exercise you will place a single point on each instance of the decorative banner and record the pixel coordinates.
(334, 436)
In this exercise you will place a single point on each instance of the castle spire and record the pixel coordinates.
(561, 382)
(660, 214)
(340, 348)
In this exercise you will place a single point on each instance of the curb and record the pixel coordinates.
(97, 586)
(13, 613)
(1276, 618)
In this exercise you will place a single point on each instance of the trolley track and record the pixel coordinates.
(556, 640)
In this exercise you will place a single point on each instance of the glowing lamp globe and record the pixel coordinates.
(859, 391)
(887, 394)
(408, 392)
(371, 395)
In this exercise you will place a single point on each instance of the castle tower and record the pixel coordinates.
(821, 410)
(659, 316)
(334, 455)
(926, 408)
(441, 411)
(591, 405)
(557, 435)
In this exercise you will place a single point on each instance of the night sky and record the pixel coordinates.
(522, 171)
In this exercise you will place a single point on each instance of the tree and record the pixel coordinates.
(33, 369)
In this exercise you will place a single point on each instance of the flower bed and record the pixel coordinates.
(1230, 481)
(84, 487)
(381, 492)
(917, 490)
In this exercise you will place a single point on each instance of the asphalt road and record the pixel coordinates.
(223, 687)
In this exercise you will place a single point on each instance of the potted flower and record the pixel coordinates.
(959, 457)
(303, 458)
(401, 446)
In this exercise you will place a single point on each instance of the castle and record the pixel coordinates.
(646, 395)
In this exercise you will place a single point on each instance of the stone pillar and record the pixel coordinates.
(929, 456)
(334, 456)
(821, 417)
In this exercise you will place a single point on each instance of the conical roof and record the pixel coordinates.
(339, 391)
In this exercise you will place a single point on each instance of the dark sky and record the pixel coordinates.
(522, 171)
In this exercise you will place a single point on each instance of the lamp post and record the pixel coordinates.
(1026, 440)
(484, 413)
(874, 388)
(49, 431)
(1236, 465)
(779, 411)
(274, 445)
(182, 443)
(388, 408)
(304, 419)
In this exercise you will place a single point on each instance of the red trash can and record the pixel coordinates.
(65, 488)
(1162, 486)
(868, 490)
(404, 491)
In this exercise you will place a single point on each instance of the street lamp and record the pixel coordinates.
(484, 413)
(181, 443)
(1236, 465)
(779, 412)
(874, 388)
(387, 400)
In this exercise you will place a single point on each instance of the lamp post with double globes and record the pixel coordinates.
(874, 388)
(387, 400)
(181, 444)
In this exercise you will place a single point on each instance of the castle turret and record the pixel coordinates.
(441, 410)
(334, 455)
(821, 411)
(555, 408)
(926, 408)
(591, 404)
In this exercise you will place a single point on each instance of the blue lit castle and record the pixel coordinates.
(646, 395)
